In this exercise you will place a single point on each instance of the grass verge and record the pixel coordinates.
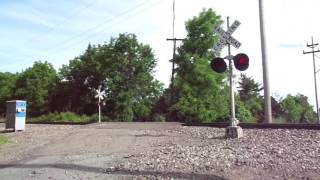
(65, 118)
(3, 140)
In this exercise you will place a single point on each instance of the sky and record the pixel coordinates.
(57, 31)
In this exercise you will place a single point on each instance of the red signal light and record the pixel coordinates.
(218, 65)
(241, 61)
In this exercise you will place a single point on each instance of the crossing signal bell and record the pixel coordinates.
(241, 62)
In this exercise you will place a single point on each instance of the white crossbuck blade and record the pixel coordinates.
(100, 94)
(225, 37)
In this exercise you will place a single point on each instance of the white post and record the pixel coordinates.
(232, 131)
(99, 91)
(234, 121)
(266, 87)
(99, 111)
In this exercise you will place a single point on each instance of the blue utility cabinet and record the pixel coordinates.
(16, 115)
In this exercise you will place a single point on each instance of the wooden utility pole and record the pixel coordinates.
(174, 49)
(312, 46)
(173, 56)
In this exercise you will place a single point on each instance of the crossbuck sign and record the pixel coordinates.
(225, 37)
(100, 95)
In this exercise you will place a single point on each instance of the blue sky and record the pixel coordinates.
(60, 30)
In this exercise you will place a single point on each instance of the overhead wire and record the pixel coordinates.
(98, 26)
(108, 26)
(64, 21)
(51, 29)
(93, 28)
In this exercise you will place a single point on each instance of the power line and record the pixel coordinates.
(102, 28)
(174, 16)
(59, 46)
(65, 20)
(98, 26)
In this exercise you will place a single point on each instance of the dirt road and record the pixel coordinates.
(156, 151)
(81, 152)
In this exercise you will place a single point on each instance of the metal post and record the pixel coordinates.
(234, 121)
(266, 87)
(232, 131)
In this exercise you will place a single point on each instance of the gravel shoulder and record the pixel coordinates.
(157, 151)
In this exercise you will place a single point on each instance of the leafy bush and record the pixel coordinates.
(159, 118)
(243, 114)
(64, 117)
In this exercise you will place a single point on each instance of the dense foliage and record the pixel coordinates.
(199, 93)
(7, 85)
(250, 101)
(296, 109)
(123, 67)
(35, 85)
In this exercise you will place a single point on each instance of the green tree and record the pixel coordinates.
(249, 94)
(35, 85)
(7, 84)
(124, 67)
(296, 109)
(248, 88)
(200, 93)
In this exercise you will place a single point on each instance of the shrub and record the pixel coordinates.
(159, 118)
(64, 117)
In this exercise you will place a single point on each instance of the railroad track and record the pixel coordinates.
(259, 125)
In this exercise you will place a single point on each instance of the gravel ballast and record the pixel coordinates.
(262, 153)
(158, 151)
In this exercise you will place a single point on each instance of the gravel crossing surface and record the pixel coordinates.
(158, 151)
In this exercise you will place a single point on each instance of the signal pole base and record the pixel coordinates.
(234, 132)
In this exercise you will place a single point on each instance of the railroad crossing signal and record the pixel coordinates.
(241, 61)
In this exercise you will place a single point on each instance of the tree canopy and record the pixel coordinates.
(296, 109)
(199, 92)
(123, 67)
(35, 85)
(7, 85)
